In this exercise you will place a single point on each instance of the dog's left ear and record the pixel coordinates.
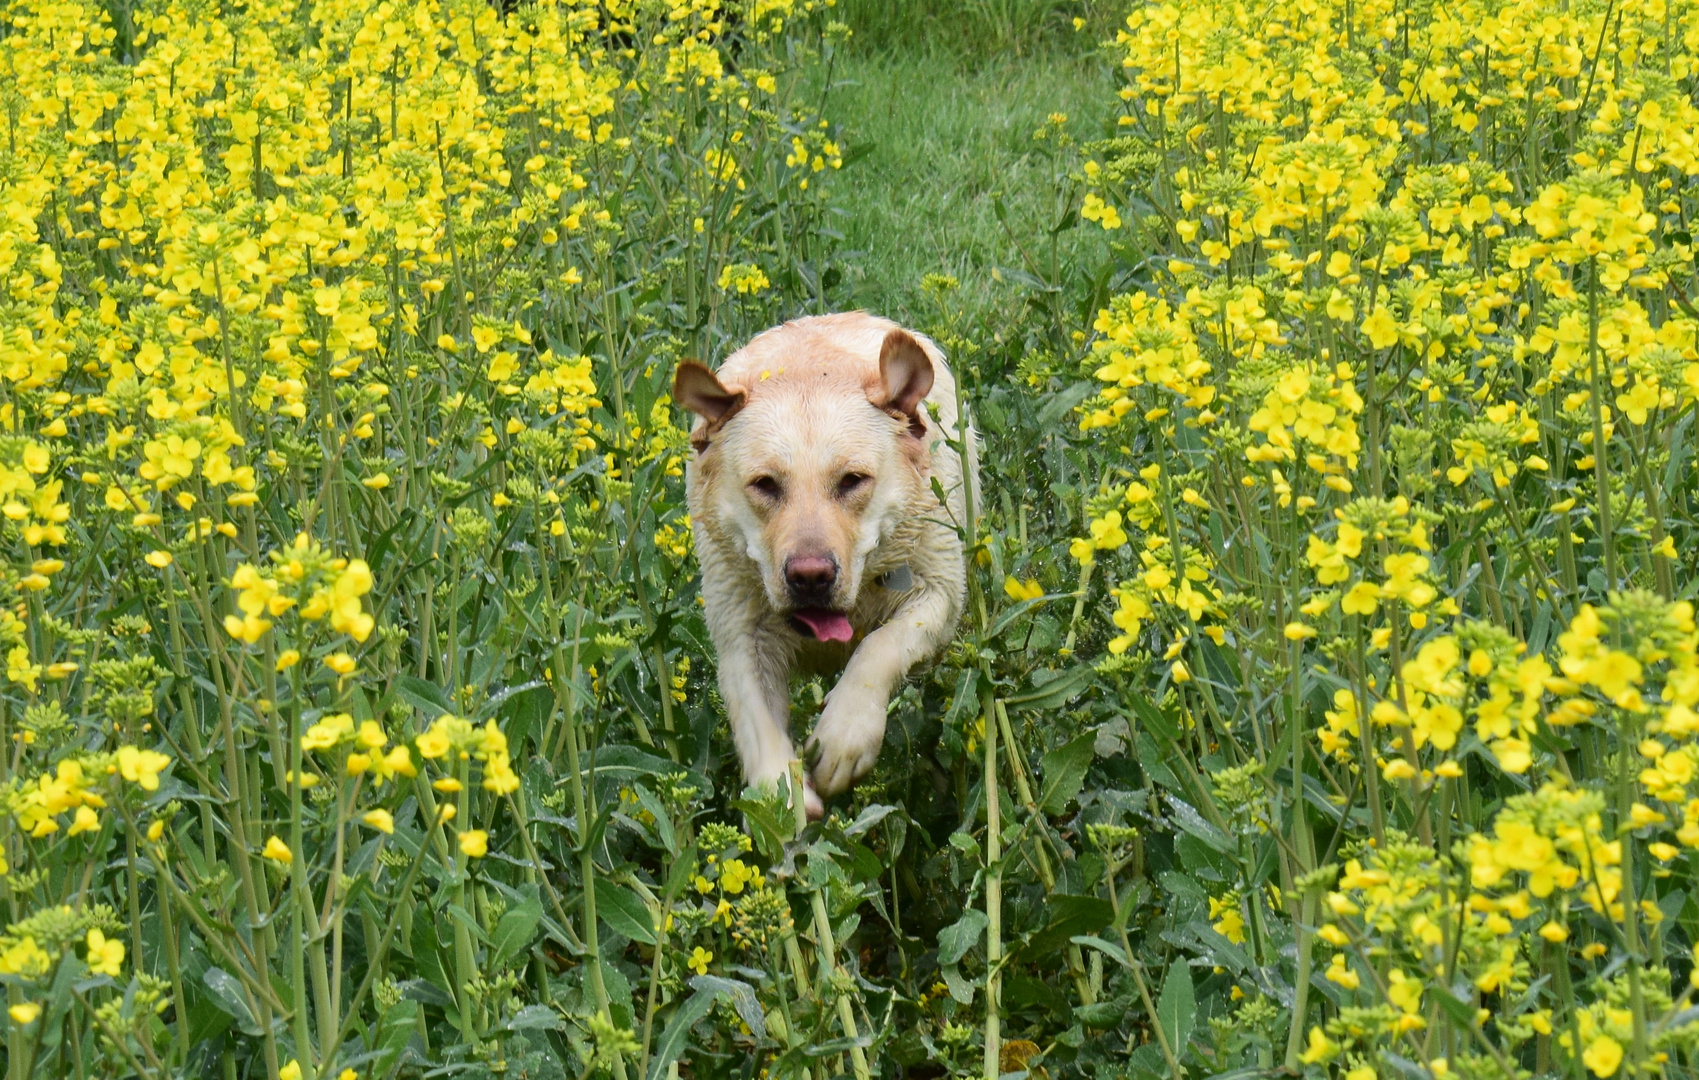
(907, 374)
(700, 391)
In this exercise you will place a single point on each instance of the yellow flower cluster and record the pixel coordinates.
(1405, 388)
(454, 736)
(304, 580)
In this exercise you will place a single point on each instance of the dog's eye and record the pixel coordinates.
(852, 483)
(766, 486)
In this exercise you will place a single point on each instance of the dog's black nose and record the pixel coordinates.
(810, 577)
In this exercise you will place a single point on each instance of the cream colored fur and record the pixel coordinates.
(816, 409)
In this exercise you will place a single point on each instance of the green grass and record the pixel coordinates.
(966, 27)
(946, 139)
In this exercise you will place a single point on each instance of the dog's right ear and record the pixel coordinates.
(700, 391)
(906, 371)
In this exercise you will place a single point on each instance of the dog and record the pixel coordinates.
(821, 536)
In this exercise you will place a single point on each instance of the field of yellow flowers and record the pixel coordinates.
(1397, 519)
(1328, 702)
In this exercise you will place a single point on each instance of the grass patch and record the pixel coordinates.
(945, 141)
(980, 28)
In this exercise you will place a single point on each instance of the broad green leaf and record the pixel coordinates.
(624, 911)
(675, 1037)
(1177, 1008)
(1107, 948)
(227, 993)
(427, 951)
(1052, 690)
(956, 939)
(515, 932)
(742, 997)
(1069, 916)
(1064, 772)
(426, 697)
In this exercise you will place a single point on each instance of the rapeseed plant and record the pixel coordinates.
(1400, 400)
(334, 351)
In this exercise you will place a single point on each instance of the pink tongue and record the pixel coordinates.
(826, 625)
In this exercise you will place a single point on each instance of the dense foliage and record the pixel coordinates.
(1327, 697)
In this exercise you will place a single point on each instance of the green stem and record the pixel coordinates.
(993, 890)
(1601, 468)
(832, 977)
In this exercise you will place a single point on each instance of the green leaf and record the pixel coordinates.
(676, 1036)
(1064, 773)
(1063, 401)
(1103, 1014)
(956, 939)
(1155, 763)
(1177, 1008)
(1053, 689)
(424, 696)
(532, 1017)
(624, 911)
(869, 817)
(1069, 916)
(515, 931)
(960, 989)
(227, 993)
(1154, 719)
(1187, 817)
(1460, 1012)
(1107, 948)
(427, 951)
(769, 836)
(742, 997)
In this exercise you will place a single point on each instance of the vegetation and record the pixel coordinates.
(1326, 702)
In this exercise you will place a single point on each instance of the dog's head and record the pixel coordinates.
(808, 469)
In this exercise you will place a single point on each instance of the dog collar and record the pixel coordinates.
(899, 580)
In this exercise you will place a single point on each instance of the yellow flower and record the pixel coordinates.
(379, 820)
(1018, 591)
(1321, 1048)
(341, 663)
(475, 843)
(158, 559)
(86, 821)
(25, 958)
(397, 762)
(277, 851)
(699, 960)
(105, 957)
(291, 1071)
(1603, 1055)
(25, 1012)
(141, 766)
(1095, 209)
(1361, 599)
(1381, 328)
(1337, 972)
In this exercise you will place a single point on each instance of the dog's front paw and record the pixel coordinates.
(776, 778)
(846, 742)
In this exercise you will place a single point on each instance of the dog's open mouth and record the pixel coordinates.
(821, 624)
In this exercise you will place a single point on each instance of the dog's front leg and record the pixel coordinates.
(755, 683)
(846, 742)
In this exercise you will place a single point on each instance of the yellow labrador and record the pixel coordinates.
(822, 540)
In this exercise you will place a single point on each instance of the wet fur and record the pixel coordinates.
(808, 399)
